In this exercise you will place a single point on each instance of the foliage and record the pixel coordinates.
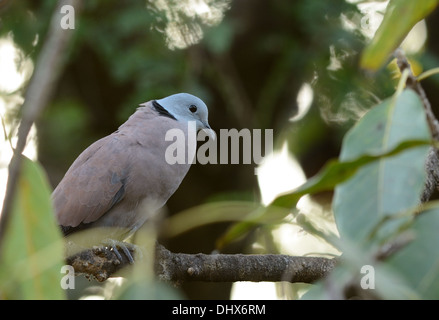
(250, 77)
(400, 17)
(32, 259)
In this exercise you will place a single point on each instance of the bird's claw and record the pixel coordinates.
(124, 246)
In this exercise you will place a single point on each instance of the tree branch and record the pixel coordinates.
(432, 161)
(102, 263)
(432, 169)
(414, 84)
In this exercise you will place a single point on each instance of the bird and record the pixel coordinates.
(119, 182)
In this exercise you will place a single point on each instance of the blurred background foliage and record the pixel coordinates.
(290, 66)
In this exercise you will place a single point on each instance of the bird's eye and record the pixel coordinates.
(193, 108)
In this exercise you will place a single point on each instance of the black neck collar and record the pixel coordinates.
(162, 111)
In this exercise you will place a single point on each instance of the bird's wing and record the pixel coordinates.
(94, 183)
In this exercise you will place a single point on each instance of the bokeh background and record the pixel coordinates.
(290, 66)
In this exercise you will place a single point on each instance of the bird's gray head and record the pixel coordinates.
(185, 107)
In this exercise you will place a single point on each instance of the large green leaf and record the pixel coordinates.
(388, 284)
(399, 19)
(418, 263)
(32, 257)
(388, 186)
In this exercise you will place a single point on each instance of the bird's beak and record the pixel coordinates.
(209, 131)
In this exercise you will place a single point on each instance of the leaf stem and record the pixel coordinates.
(402, 83)
(428, 73)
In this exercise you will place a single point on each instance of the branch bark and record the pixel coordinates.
(414, 84)
(102, 263)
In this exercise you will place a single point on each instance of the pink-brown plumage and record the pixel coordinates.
(123, 178)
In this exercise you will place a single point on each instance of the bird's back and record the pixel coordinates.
(121, 179)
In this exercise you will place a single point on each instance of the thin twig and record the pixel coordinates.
(48, 68)
(414, 84)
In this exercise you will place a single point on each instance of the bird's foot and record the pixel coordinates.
(125, 247)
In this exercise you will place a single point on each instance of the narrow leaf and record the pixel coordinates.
(336, 171)
(399, 19)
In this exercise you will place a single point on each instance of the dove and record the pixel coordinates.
(121, 180)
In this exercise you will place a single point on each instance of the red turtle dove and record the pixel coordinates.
(123, 178)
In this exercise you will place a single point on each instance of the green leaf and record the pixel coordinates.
(374, 139)
(221, 211)
(143, 289)
(351, 270)
(399, 19)
(388, 186)
(33, 252)
(418, 262)
(334, 173)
